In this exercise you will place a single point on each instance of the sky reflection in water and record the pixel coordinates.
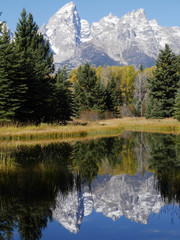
(126, 187)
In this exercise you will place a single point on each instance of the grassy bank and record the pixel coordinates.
(79, 130)
(168, 125)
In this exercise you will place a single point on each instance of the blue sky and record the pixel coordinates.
(167, 12)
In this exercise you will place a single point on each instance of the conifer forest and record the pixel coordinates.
(32, 90)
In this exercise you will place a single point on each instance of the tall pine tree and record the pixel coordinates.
(89, 92)
(36, 66)
(163, 86)
(11, 84)
(5, 83)
(113, 99)
(63, 102)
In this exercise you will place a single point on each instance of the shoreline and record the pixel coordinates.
(79, 129)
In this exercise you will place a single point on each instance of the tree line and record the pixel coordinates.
(32, 91)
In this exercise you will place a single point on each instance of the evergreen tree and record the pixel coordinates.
(113, 99)
(11, 87)
(99, 94)
(89, 92)
(63, 98)
(36, 66)
(163, 86)
(5, 84)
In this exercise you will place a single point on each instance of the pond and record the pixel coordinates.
(126, 187)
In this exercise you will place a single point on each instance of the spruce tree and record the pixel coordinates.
(163, 86)
(11, 85)
(99, 94)
(89, 92)
(113, 99)
(36, 66)
(63, 102)
(5, 84)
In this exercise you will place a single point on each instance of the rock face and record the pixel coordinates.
(132, 39)
(135, 197)
(64, 31)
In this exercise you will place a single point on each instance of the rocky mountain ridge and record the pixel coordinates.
(132, 39)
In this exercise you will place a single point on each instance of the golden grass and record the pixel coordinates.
(46, 132)
(167, 125)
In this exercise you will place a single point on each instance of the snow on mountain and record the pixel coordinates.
(135, 197)
(63, 31)
(132, 39)
(85, 31)
(107, 23)
(165, 35)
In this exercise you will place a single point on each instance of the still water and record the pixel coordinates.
(127, 187)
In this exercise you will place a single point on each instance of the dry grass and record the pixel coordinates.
(98, 128)
(167, 125)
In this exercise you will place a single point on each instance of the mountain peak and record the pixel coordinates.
(138, 12)
(135, 16)
(131, 39)
(69, 7)
(111, 18)
(65, 16)
(111, 14)
(153, 22)
(64, 32)
(141, 11)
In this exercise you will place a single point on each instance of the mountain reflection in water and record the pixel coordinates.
(132, 196)
(134, 176)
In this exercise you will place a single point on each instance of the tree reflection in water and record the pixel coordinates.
(32, 176)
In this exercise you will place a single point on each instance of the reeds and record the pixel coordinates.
(168, 125)
(90, 129)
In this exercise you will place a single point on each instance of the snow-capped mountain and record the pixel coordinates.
(132, 39)
(135, 197)
(64, 31)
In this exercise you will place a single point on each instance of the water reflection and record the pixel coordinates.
(132, 196)
(132, 176)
